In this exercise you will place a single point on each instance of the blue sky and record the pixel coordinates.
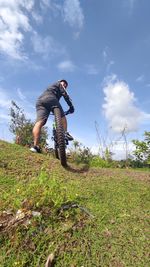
(100, 46)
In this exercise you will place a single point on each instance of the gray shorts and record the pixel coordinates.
(43, 109)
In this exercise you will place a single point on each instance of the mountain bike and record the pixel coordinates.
(60, 142)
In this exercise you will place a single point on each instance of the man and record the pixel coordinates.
(45, 104)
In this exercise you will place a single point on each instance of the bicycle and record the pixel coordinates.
(58, 136)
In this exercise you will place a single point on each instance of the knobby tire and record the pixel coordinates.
(60, 138)
(56, 151)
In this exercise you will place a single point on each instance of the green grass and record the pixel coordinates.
(111, 230)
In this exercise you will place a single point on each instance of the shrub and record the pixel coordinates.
(22, 127)
(96, 161)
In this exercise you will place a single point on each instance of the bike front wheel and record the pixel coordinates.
(56, 150)
(61, 149)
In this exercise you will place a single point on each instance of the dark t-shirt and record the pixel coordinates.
(55, 91)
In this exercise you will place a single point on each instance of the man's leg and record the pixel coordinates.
(37, 131)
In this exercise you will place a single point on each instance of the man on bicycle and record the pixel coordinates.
(44, 105)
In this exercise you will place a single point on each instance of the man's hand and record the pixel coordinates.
(70, 110)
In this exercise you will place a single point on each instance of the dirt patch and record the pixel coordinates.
(117, 173)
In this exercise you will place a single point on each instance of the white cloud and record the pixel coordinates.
(41, 45)
(95, 149)
(91, 69)
(4, 99)
(118, 148)
(70, 10)
(140, 78)
(110, 63)
(129, 4)
(13, 4)
(20, 99)
(46, 46)
(119, 107)
(4, 117)
(20, 94)
(73, 14)
(45, 3)
(121, 148)
(106, 53)
(5, 104)
(13, 23)
(27, 4)
(24, 103)
(66, 66)
(52, 5)
(37, 17)
(146, 116)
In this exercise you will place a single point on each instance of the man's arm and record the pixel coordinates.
(68, 100)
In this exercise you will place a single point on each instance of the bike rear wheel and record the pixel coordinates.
(60, 151)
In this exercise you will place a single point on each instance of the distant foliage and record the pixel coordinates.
(142, 149)
(22, 127)
(108, 155)
(97, 161)
(80, 153)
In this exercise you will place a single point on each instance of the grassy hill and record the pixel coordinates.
(82, 217)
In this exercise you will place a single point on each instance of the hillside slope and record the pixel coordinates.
(81, 216)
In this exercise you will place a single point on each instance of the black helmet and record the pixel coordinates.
(64, 81)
